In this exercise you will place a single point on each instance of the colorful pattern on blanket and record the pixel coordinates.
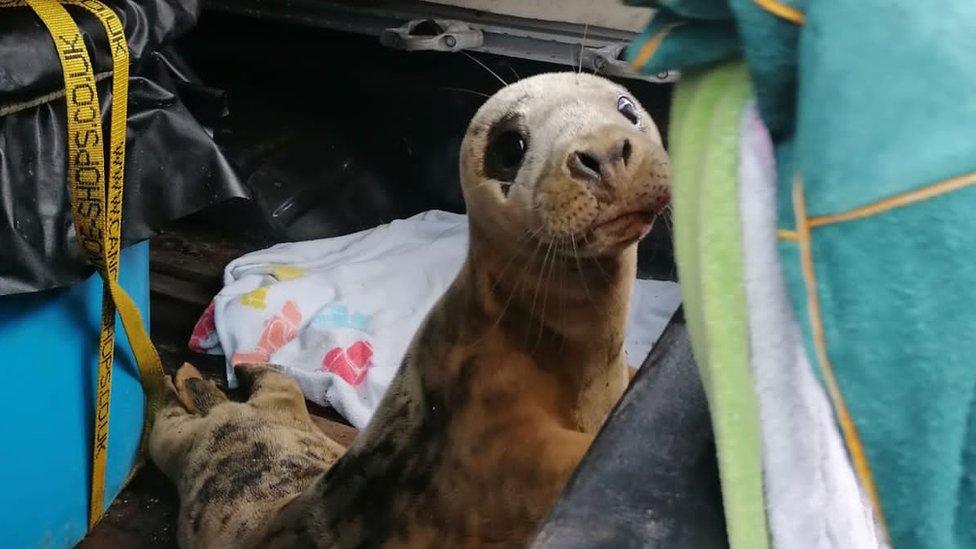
(338, 314)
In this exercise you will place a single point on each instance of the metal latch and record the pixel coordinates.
(432, 35)
(609, 60)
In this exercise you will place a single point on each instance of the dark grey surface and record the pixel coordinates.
(651, 477)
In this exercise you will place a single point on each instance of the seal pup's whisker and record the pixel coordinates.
(545, 297)
(596, 262)
(667, 215)
(449, 88)
(538, 284)
(517, 287)
(535, 295)
(525, 266)
(514, 72)
(493, 73)
(586, 27)
(515, 252)
(579, 269)
(564, 249)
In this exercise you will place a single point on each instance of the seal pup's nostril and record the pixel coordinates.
(625, 150)
(620, 151)
(584, 165)
(589, 161)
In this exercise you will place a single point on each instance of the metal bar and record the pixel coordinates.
(548, 41)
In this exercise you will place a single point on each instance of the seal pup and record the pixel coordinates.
(504, 385)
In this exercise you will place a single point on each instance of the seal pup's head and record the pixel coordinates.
(566, 158)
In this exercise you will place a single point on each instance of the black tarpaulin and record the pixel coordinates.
(173, 167)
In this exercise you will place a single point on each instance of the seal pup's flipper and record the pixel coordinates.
(196, 394)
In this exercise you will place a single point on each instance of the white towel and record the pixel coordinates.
(812, 496)
(338, 313)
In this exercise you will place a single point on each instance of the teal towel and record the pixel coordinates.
(886, 107)
(695, 9)
(700, 32)
(871, 106)
(668, 36)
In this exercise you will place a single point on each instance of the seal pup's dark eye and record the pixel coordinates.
(627, 108)
(504, 155)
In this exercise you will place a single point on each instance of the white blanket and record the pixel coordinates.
(812, 497)
(339, 313)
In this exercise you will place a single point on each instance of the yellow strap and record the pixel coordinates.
(150, 365)
(96, 205)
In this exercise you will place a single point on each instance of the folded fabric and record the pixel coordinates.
(881, 198)
(691, 34)
(705, 125)
(868, 104)
(338, 314)
(812, 496)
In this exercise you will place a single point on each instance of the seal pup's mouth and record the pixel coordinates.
(625, 229)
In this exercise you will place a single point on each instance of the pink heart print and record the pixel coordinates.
(278, 331)
(350, 363)
(204, 337)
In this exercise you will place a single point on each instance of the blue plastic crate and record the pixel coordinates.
(48, 368)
